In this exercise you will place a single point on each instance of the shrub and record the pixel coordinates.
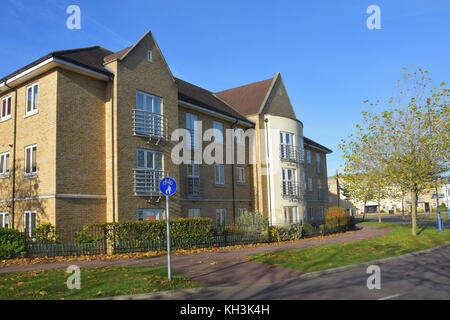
(45, 233)
(286, 233)
(11, 244)
(252, 221)
(90, 234)
(307, 229)
(154, 230)
(335, 217)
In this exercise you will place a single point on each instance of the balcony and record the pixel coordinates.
(193, 187)
(146, 181)
(291, 153)
(291, 189)
(149, 124)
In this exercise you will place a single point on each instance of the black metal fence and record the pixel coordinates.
(96, 240)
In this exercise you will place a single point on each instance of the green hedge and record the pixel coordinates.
(293, 232)
(11, 244)
(181, 229)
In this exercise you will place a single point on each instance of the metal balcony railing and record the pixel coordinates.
(291, 189)
(146, 181)
(193, 187)
(291, 153)
(149, 124)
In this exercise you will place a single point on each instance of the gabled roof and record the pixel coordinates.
(315, 145)
(247, 99)
(90, 57)
(195, 95)
(117, 56)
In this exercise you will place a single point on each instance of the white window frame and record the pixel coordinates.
(5, 158)
(218, 126)
(29, 162)
(221, 217)
(310, 184)
(158, 214)
(241, 172)
(30, 228)
(154, 162)
(192, 127)
(4, 219)
(193, 170)
(149, 56)
(308, 156)
(34, 108)
(311, 213)
(291, 215)
(194, 213)
(219, 174)
(318, 163)
(6, 116)
(242, 211)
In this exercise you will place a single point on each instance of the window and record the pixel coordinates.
(318, 162)
(31, 160)
(218, 132)
(150, 214)
(193, 170)
(289, 185)
(194, 213)
(148, 173)
(6, 109)
(32, 99)
(149, 55)
(149, 159)
(308, 156)
(290, 215)
(221, 217)
(148, 119)
(311, 213)
(240, 175)
(242, 211)
(310, 184)
(29, 222)
(4, 219)
(287, 146)
(239, 135)
(191, 126)
(321, 212)
(219, 173)
(193, 179)
(4, 164)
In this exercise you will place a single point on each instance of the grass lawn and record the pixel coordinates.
(95, 283)
(398, 242)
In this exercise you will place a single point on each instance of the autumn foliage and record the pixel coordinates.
(336, 217)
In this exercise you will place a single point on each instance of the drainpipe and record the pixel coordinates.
(13, 203)
(112, 154)
(266, 121)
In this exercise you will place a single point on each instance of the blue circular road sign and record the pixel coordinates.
(168, 186)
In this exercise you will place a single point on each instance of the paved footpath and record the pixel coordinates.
(221, 268)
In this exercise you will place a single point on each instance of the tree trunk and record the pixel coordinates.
(379, 211)
(403, 209)
(364, 212)
(414, 213)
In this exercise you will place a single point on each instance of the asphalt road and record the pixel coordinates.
(423, 277)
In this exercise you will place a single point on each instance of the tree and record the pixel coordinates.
(359, 189)
(409, 142)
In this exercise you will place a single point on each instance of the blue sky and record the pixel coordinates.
(329, 60)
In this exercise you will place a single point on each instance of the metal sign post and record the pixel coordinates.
(168, 187)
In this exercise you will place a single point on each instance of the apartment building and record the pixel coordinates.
(86, 136)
